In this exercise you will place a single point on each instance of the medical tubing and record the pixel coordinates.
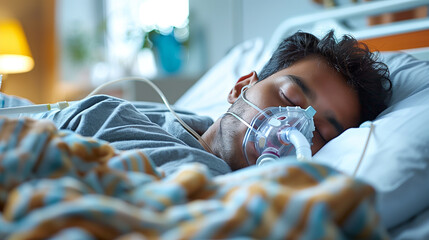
(299, 141)
(301, 144)
(364, 149)
(164, 99)
(32, 108)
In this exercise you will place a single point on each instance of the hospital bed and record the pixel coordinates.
(396, 161)
(128, 198)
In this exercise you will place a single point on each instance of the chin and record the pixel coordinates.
(237, 164)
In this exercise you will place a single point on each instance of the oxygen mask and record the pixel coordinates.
(277, 132)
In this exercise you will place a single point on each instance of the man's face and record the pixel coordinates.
(308, 82)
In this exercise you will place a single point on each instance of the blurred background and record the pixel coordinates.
(69, 47)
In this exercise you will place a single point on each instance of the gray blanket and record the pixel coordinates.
(130, 125)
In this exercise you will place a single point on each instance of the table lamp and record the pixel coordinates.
(15, 55)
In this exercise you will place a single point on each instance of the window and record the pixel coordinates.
(147, 37)
(102, 40)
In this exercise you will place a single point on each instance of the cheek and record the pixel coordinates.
(345, 107)
(318, 143)
(323, 134)
(323, 127)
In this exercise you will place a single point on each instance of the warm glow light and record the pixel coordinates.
(15, 55)
(164, 14)
(15, 63)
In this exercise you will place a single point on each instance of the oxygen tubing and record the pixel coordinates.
(298, 140)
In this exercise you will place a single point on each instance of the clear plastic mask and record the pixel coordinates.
(277, 132)
(269, 130)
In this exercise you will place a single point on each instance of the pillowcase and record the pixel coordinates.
(396, 161)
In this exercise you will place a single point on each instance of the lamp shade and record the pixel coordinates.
(15, 55)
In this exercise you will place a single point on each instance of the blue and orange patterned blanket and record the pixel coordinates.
(58, 185)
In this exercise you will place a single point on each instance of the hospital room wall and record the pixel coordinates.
(225, 23)
(215, 27)
(37, 19)
(219, 24)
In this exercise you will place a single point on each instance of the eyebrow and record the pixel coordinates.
(305, 89)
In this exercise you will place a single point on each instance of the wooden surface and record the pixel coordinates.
(410, 40)
(37, 18)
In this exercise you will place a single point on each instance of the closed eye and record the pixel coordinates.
(286, 98)
(304, 88)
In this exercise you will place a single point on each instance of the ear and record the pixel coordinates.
(235, 92)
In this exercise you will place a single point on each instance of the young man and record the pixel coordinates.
(340, 80)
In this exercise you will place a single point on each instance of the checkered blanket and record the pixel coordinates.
(59, 185)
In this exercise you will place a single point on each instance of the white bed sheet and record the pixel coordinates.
(416, 228)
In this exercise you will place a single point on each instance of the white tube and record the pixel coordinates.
(298, 140)
(14, 111)
(302, 146)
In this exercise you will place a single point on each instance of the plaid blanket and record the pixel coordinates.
(58, 185)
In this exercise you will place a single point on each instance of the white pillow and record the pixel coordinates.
(396, 161)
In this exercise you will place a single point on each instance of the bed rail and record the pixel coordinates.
(320, 23)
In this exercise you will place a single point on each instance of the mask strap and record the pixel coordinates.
(242, 121)
(239, 118)
(243, 96)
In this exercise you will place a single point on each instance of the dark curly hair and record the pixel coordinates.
(359, 66)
